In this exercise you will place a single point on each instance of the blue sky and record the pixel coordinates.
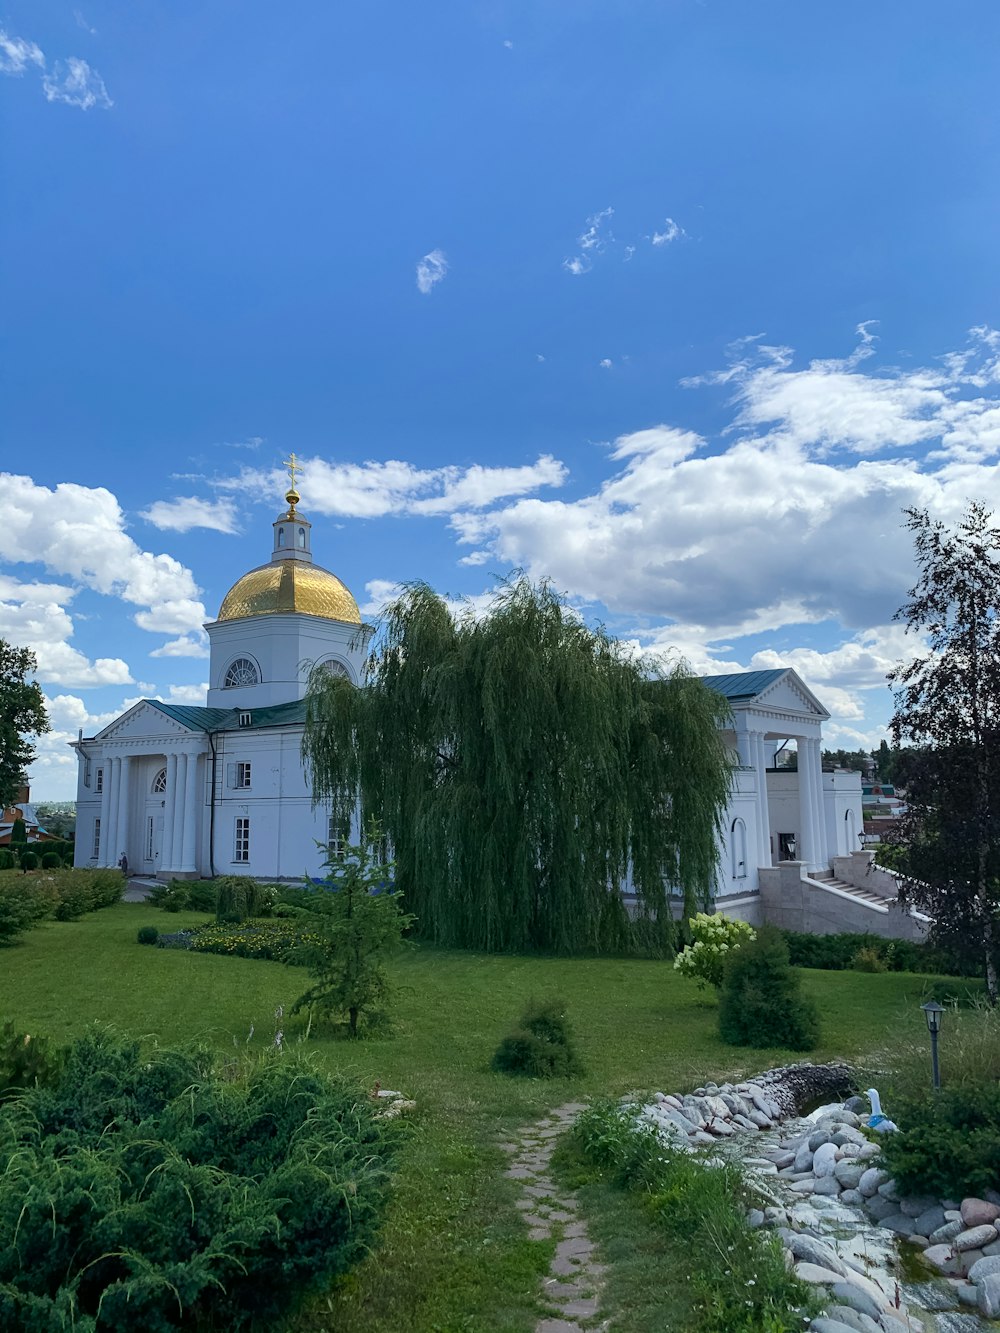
(678, 303)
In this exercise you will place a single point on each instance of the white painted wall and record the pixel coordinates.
(283, 648)
(841, 802)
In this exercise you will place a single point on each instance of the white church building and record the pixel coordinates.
(190, 792)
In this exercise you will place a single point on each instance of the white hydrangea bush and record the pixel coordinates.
(715, 938)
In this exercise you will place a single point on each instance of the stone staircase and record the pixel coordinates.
(827, 880)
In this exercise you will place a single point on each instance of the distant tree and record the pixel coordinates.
(523, 767)
(948, 703)
(18, 831)
(854, 760)
(22, 715)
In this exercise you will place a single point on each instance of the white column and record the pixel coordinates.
(819, 806)
(180, 814)
(116, 771)
(191, 815)
(123, 795)
(102, 853)
(166, 844)
(763, 820)
(807, 803)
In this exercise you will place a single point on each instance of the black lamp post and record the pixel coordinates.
(932, 1012)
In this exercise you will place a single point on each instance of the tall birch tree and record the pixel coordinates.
(948, 703)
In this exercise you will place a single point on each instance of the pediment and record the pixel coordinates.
(791, 694)
(142, 719)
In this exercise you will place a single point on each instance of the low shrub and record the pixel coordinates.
(947, 1144)
(278, 941)
(29, 861)
(837, 952)
(146, 1194)
(714, 937)
(541, 1046)
(953, 992)
(178, 939)
(760, 1003)
(868, 960)
(26, 1061)
(738, 1277)
(7, 861)
(201, 895)
(51, 861)
(239, 897)
(147, 935)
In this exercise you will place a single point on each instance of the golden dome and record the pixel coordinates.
(290, 585)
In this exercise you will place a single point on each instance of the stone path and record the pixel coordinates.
(572, 1285)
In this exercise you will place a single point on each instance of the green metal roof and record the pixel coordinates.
(228, 719)
(743, 685)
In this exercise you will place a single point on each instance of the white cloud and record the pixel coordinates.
(185, 646)
(593, 240)
(374, 489)
(671, 232)
(509, 45)
(606, 364)
(188, 511)
(431, 270)
(577, 265)
(74, 82)
(16, 54)
(81, 22)
(31, 615)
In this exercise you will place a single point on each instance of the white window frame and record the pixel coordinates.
(96, 853)
(243, 661)
(150, 826)
(86, 771)
(241, 840)
(99, 782)
(335, 840)
(243, 773)
(246, 718)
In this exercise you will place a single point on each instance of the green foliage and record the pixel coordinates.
(714, 937)
(170, 1193)
(868, 960)
(523, 765)
(7, 860)
(18, 833)
(760, 1003)
(541, 1046)
(147, 935)
(836, 952)
(22, 715)
(948, 1143)
(26, 1061)
(202, 895)
(16, 915)
(358, 918)
(51, 861)
(239, 897)
(29, 861)
(279, 941)
(738, 1275)
(63, 894)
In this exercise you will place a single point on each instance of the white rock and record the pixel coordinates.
(824, 1160)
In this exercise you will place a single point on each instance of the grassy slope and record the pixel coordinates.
(454, 1254)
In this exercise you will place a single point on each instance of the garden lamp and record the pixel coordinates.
(932, 1012)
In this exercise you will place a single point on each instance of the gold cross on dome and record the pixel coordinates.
(293, 467)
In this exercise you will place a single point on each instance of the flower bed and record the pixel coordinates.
(278, 941)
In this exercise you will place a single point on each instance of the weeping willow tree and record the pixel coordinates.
(524, 769)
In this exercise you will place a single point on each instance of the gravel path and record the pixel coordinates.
(572, 1286)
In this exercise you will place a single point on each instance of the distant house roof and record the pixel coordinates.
(743, 685)
(228, 719)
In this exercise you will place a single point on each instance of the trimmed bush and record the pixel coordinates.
(868, 960)
(63, 894)
(147, 935)
(760, 1003)
(165, 1193)
(7, 861)
(836, 952)
(540, 1047)
(51, 861)
(29, 861)
(238, 897)
(202, 895)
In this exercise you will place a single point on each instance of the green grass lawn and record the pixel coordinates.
(454, 1254)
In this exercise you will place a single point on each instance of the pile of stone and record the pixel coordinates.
(718, 1111)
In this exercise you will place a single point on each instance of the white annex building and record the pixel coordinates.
(191, 792)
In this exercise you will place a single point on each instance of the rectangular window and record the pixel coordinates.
(243, 775)
(86, 772)
(242, 840)
(97, 838)
(335, 837)
(149, 838)
(246, 720)
(99, 784)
